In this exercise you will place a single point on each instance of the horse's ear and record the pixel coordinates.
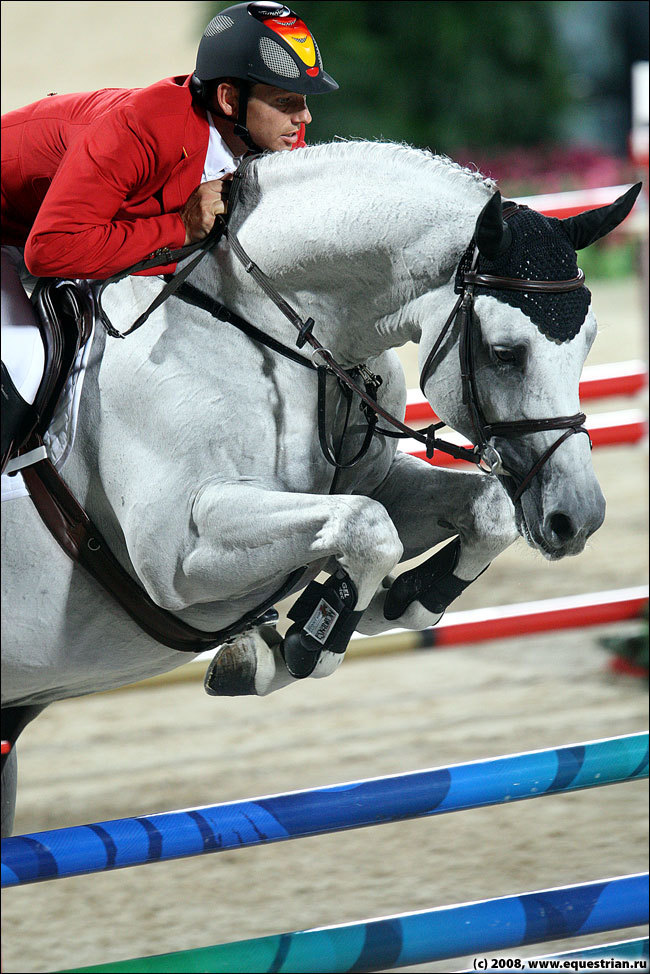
(492, 234)
(591, 225)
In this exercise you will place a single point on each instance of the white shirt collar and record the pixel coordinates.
(219, 159)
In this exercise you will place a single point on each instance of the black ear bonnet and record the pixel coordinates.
(539, 250)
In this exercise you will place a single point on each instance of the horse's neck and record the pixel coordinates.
(353, 245)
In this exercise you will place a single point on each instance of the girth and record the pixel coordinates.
(82, 541)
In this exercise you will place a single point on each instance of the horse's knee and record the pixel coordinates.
(488, 520)
(367, 542)
(371, 530)
(359, 525)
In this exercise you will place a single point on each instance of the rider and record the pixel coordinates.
(96, 182)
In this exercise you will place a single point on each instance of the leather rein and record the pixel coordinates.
(322, 358)
(483, 454)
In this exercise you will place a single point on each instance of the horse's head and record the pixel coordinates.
(525, 327)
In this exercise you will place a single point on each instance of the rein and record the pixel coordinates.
(165, 256)
(158, 258)
(483, 454)
(372, 382)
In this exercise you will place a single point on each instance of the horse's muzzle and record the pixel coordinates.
(565, 528)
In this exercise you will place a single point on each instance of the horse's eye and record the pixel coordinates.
(508, 355)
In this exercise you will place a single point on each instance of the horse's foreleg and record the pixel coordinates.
(9, 781)
(429, 505)
(248, 537)
(14, 721)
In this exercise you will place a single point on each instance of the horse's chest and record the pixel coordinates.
(278, 426)
(251, 414)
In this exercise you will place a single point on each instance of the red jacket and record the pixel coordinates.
(91, 183)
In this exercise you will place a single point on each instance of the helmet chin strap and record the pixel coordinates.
(241, 129)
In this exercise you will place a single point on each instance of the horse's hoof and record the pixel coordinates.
(250, 665)
(231, 672)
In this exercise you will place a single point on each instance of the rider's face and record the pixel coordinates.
(274, 117)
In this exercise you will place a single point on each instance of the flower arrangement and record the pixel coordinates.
(550, 168)
(561, 168)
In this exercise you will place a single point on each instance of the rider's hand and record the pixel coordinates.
(206, 202)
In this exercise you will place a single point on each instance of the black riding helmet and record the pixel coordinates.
(260, 42)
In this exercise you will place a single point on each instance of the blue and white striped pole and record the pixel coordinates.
(173, 835)
(418, 938)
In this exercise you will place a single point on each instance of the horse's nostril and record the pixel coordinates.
(561, 527)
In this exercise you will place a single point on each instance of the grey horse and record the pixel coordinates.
(196, 451)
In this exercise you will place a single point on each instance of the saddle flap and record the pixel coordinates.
(65, 319)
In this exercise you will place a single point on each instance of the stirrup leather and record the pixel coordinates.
(18, 420)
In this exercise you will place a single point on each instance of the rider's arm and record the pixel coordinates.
(79, 231)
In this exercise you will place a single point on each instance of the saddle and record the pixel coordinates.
(65, 320)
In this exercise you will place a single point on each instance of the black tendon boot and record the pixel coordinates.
(433, 584)
(18, 418)
(324, 620)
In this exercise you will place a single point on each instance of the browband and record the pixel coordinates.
(522, 284)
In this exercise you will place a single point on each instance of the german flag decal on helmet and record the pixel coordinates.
(263, 42)
(295, 33)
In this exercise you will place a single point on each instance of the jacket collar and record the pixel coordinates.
(186, 175)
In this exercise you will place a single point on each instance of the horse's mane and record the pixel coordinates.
(375, 197)
(355, 152)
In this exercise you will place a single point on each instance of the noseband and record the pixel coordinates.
(463, 312)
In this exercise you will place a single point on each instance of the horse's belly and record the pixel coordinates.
(62, 635)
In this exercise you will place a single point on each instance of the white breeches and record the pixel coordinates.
(22, 347)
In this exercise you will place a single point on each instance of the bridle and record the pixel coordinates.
(463, 312)
(483, 454)
(359, 380)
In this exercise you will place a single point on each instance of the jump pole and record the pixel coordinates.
(418, 938)
(622, 950)
(508, 621)
(116, 844)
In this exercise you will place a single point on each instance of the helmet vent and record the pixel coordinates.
(318, 57)
(217, 25)
(277, 60)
